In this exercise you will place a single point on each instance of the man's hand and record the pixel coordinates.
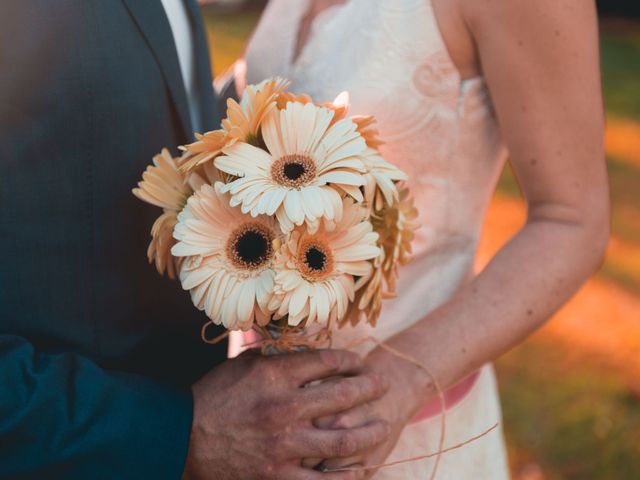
(253, 416)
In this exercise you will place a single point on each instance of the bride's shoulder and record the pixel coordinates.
(472, 27)
(482, 16)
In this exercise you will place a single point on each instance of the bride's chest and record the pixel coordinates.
(389, 56)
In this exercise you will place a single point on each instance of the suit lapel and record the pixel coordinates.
(154, 26)
(207, 105)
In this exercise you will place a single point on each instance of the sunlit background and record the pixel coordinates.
(571, 393)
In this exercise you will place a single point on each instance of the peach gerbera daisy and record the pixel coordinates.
(315, 271)
(380, 180)
(340, 105)
(164, 186)
(396, 225)
(307, 161)
(228, 259)
(365, 128)
(242, 123)
(370, 292)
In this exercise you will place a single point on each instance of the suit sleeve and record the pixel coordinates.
(61, 416)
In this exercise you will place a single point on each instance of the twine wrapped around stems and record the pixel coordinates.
(277, 339)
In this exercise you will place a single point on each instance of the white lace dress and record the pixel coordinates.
(442, 131)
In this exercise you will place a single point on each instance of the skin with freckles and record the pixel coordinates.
(541, 64)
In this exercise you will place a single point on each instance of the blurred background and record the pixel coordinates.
(571, 393)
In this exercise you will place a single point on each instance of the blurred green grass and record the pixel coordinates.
(621, 71)
(571, 414)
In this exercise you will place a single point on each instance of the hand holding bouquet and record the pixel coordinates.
(287, 217)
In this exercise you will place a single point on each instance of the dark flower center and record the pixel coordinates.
(293, 171)
(250, 246)
(316, 259)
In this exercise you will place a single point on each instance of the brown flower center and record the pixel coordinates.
(250, 246)
(315, 259)
(293, 170)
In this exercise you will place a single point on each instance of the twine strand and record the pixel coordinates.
(215, 340)
(439, 393)
(420, 457)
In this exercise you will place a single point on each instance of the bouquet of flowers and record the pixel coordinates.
(287, 217)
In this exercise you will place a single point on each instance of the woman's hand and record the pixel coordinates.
(407, 393)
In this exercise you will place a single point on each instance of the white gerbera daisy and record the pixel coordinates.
(315, 271)
(307, 157)
(229, 258)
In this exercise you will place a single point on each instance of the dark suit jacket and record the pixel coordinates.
(97, 351)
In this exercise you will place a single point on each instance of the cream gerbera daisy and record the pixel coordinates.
(380, 180)
(315, 271)
(340, 106)
(229, 258)
(242, 123)
(297, 179)
(164, 186)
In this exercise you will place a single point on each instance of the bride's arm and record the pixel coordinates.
(541, 62)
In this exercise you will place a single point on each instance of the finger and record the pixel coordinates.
(338, 463)
(300, 473)
(355, 417)
(316, 443)
(305, 367)
(311, 463)
(340, 394)
(250, 353)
